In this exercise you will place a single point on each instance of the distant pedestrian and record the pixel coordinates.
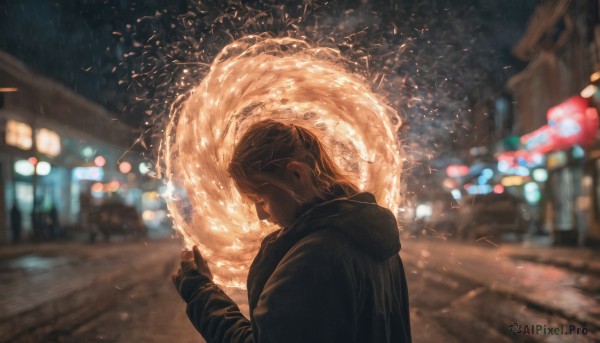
(16, 223)
(53, 224)
(331, 274)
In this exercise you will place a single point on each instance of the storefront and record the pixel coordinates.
(590, 184)
(33, 182)
(54, 147)
(50, 174)
(571, 128)
(590, 198)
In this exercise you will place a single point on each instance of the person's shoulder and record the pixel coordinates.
(270, 237)
(326, 243)
(324, 252)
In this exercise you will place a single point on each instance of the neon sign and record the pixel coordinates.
(571, 123)
(454, 170)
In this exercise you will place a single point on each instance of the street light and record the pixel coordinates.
(125, 167)
(100, 161)
(591, 89)
(43, 168)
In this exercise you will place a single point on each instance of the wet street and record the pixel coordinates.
(129, 127)
(464, 292)
(121, 292)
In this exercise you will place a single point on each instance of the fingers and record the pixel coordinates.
(187, 260)
(187, 255)
(187, 266)
(193, 260)
(198, 256)
(201, 263)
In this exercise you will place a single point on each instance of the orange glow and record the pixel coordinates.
(589, 91)
(277, 78)
(19, 134)
(449, 183)
(8, 89)
(125, 167)
(513, 180)
(113, 186)
(47, 142)
(32, 160)
(100, 161)
(97, 187)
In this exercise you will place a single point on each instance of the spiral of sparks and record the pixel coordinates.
(254, 78)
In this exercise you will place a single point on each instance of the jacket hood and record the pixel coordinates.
(372, 227)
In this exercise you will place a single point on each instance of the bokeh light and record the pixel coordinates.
(100, 161)
(125, 167)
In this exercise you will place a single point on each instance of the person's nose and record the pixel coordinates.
(261, 213)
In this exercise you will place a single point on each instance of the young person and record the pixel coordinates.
(332, 273)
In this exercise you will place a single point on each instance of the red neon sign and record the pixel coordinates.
(454, 170)
(571, 123)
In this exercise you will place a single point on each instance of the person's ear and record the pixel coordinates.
(294, 172)
(297, 174)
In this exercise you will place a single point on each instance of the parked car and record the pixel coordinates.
(116, 219)
(435, 216)
(491, 215)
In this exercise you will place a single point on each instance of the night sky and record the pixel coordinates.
(125, 54)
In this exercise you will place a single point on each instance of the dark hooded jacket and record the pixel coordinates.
(335, 275)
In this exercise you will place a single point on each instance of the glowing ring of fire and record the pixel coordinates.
(261, 77)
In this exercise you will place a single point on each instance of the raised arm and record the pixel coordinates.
(216, 316)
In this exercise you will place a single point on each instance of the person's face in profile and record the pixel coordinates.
(275, 205)
(277, 197)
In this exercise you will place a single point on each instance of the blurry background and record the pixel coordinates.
(500, 129)
(440, 61)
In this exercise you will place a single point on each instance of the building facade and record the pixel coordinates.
(561, 46)
(59, 152)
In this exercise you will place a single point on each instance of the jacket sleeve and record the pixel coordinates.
(308, 298)
(217, 317)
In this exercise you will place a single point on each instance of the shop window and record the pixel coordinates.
(24, 167)
(47, 142)
(18, 134)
